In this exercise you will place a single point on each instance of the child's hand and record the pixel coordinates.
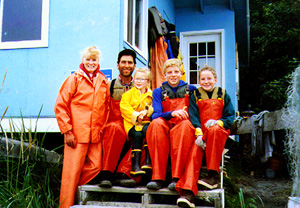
(144, 112)
(70, 139)
(140, 118)
(210, 123)
(181, 114)
(200, 142)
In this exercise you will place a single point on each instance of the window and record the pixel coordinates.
(202, 48)
(201, 53)
(135, 24)
(24, 23)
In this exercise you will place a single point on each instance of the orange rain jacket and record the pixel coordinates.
(83, 106)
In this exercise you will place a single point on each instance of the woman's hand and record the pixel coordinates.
(70, 139)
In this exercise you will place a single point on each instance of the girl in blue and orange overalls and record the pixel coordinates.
(212, 114)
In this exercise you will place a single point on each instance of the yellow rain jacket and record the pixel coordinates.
(132, 103)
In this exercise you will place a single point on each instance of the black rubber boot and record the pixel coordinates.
(106, 179)
(125, 181)
(135, 163)
(155, 184)
(147, 165)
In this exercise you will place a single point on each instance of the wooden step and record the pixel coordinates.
(88, 196)
(144, 197)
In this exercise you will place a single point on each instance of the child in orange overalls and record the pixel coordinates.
(212, 114)
(81, 110)
(136, 109)
(170, 133)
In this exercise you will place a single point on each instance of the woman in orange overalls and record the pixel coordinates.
(81, 110)
(212, 114)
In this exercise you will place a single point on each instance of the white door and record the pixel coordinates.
(202, 48)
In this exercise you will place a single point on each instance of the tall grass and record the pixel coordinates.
(27, 180)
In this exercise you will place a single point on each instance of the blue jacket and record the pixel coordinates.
(157, 100)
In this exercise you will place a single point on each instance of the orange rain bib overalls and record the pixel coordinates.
(215, 138)
(114, 135)
(172, 136)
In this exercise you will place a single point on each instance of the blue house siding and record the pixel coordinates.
(166, 8)
(35, 75)
(214, 17)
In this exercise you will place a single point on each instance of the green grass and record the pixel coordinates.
(28, 180)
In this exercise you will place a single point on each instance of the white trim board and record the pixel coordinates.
(42, 124)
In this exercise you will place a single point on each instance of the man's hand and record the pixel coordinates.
(200, 142)
(181, 114)
(70, 139)
(210, 123)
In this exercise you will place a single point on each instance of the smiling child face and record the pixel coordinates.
(207, 80)
(140, 81)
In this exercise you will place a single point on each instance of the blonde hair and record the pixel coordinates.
(91, 52)
(144, 70)
(208, 68)
(173, 62)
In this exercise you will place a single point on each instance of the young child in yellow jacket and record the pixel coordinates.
(136, 109)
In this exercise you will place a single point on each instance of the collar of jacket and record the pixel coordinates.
(81, 66)
(148, 93)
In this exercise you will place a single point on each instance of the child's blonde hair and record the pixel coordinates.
(173, 62)
(208, 68)
(91, 52)
(144, 70)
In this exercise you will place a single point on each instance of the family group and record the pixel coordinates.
(116, 132)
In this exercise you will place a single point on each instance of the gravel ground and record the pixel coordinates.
(273, 192)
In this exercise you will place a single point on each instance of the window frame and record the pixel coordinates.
(28, 43)
(184, 41)
(143, 50)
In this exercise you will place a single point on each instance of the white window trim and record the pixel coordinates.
(33, 43)
(144, 47)
(209, 32)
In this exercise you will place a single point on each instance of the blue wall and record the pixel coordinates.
(35, 75)
(166, 8)
(214, 17)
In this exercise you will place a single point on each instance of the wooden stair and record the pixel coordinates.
(93, 196)
(147, 197)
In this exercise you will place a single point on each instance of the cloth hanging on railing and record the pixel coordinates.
(261, 142)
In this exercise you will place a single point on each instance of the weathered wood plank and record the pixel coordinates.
(84, 191)
(16, 148)
(272, 121)
(144, 190)
(135, 205)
